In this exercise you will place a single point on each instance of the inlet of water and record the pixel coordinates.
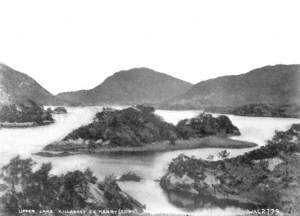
(150, 166)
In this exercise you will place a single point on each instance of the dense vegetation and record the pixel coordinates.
(282, 143)
(39, 190)
(266, 177)
(268, 110)
(139, 125)
(20, 113)
(206, 124)
(132, 126)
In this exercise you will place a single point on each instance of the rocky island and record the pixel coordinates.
(29, 114)
(267, 177)
(76, 190)
(139, 129)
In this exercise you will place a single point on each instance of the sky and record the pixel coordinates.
(75, 44)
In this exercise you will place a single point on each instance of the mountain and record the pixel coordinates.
(277, 84)
(134, 86)
(17, 87)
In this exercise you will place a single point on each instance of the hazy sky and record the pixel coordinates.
(75, 44)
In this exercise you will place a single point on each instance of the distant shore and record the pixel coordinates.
(62, 149)
(249, 110)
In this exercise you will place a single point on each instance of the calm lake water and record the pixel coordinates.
(150, 166)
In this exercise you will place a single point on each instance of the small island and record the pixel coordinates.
(267, 177)
(60, 110)
(130, 176)
(139, 129)
(24, 115)
(75, 190)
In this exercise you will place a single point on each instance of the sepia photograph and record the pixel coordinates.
(149, 108)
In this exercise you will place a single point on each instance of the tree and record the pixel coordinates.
(17, 171)
(91, 147)
(223, 154)
(172, 139)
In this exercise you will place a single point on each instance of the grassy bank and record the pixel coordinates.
(205, 142)
(66, 148)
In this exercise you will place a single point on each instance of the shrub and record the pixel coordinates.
(132, 126)
(30, 112)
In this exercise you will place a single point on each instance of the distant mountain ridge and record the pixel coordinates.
(278, 84)
(17, 87)
(129, 87)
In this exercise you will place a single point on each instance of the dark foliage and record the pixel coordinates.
(281, 143)
(39, 190)
(128, 127)
(206, 124)
(268, 110)
(249, 176)
(130, 176)
(21, 113)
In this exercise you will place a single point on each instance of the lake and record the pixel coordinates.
(149, 166)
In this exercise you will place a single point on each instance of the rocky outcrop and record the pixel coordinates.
(263, 178)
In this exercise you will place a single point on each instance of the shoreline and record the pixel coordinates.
(230, 113)
(163, 146)
(23, 124)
